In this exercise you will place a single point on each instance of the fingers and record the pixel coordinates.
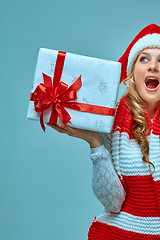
(67, 129)
(62, 128)
(74, 132)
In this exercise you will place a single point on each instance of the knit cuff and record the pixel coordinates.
(99, 149)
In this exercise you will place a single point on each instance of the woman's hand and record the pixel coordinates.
(91, 137)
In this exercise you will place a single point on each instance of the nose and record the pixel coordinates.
(154, 66)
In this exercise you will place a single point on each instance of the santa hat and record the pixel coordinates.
(148, 37)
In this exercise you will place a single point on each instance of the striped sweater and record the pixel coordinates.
(133, 205)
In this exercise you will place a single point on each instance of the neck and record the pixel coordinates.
(151, 108)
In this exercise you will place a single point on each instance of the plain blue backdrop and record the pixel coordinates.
(45, 178)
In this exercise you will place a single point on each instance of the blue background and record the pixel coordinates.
(45, 178)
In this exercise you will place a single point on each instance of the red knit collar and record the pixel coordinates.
(124, 122)
(155, 124)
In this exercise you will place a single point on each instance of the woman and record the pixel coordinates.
(126, 163)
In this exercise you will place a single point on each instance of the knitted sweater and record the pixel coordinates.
(131, 200)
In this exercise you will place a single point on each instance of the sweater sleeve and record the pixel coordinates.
(106, 184)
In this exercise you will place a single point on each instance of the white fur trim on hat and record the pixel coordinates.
(150, 40)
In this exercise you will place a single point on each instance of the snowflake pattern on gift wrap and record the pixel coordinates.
(100, 70)
(85, 100)
(103, 87)
(70, 75)
(100, 124)
(52, 67)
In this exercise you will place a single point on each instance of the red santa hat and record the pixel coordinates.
(148, 37)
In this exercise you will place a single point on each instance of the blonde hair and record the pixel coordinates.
(140, 129)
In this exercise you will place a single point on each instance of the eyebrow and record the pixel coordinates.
(144, 53)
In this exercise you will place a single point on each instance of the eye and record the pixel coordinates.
(143, 59)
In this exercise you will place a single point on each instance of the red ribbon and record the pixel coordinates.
(59, 95)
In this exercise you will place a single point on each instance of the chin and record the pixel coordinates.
(151, 100)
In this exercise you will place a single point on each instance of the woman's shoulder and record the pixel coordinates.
(123, 105)
(123, 117)
(124, 101)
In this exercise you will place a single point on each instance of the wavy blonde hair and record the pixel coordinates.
(140, 129)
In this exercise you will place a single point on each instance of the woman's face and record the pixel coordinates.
(146, 74)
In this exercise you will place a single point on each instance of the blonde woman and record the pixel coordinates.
(126, 163)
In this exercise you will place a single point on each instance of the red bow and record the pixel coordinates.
(44, 97)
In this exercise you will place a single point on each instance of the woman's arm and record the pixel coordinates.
(105, 182)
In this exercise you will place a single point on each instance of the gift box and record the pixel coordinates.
(77, 90)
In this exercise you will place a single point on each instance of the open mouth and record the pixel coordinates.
(151, 83)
